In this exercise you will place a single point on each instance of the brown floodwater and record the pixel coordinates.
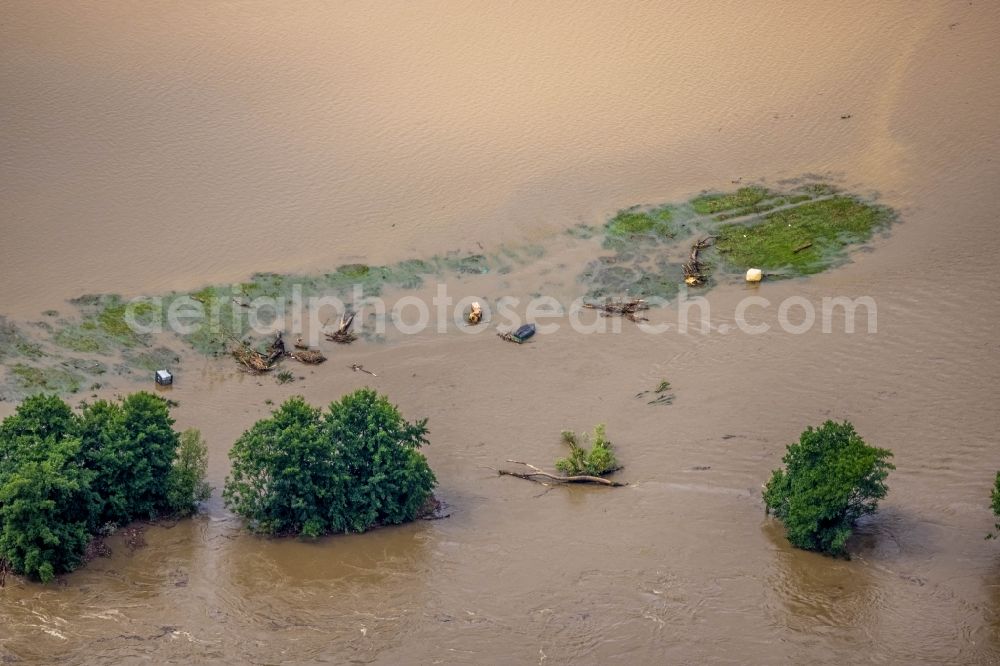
(146, 147)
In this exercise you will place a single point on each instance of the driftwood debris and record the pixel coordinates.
(255, 362)
(694, 269)
(300, 343)
(343, 333)
(629, 309)
(308, 356)
(536, 474)
(804, 246)
(663, 393)
(357, 367)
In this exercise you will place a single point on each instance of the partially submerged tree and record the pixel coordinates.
(186, 485)
(831, 478)
(599, 459)
(388, 478)
(66, 478)
(45, 511)
(582, 465)
(356, 467)
(131, 447)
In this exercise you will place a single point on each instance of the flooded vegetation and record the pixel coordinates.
(212, 158)
(799, 232)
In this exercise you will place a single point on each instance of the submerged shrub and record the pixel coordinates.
(64, 477)
(131, 447)
(45, 511)
(186, 485)
(599, 459)
(351, 469)
(831, 478)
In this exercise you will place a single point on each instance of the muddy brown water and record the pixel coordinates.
(150, 147)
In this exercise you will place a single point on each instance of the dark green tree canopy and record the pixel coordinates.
(831, 478)
(65, 478)
(45, 511)
(355, 467)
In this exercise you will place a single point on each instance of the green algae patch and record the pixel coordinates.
(637, 253)
(354, 271)
(802, 240)
(34, 379)
(471, 264)
(745, 197)
(153, 359)
(113, 319)
(583, 231)
(104, 324)
(635, 223)
(639, 277)
(79, 338)
(9, 337)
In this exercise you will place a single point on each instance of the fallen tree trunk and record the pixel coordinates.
(693, 275)
(536, 472)
(628, 309)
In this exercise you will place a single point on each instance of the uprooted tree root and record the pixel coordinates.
(308, 356)
(628, 309)
(254, 361)
(343, 333)
(539, 476)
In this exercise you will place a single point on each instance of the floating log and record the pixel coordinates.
(628, 309)
(535, 474)
(357, 367)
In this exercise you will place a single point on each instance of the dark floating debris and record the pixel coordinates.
(254, 361)
(628, 309)
(520, 335)
(664, 396)
(357, 367)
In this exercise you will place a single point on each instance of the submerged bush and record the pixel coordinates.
(831, 478)
(186, 485)
(45, 511)
(599, 459)
(995, 505)
(65, 477)
(131, 447)
(356, 467)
